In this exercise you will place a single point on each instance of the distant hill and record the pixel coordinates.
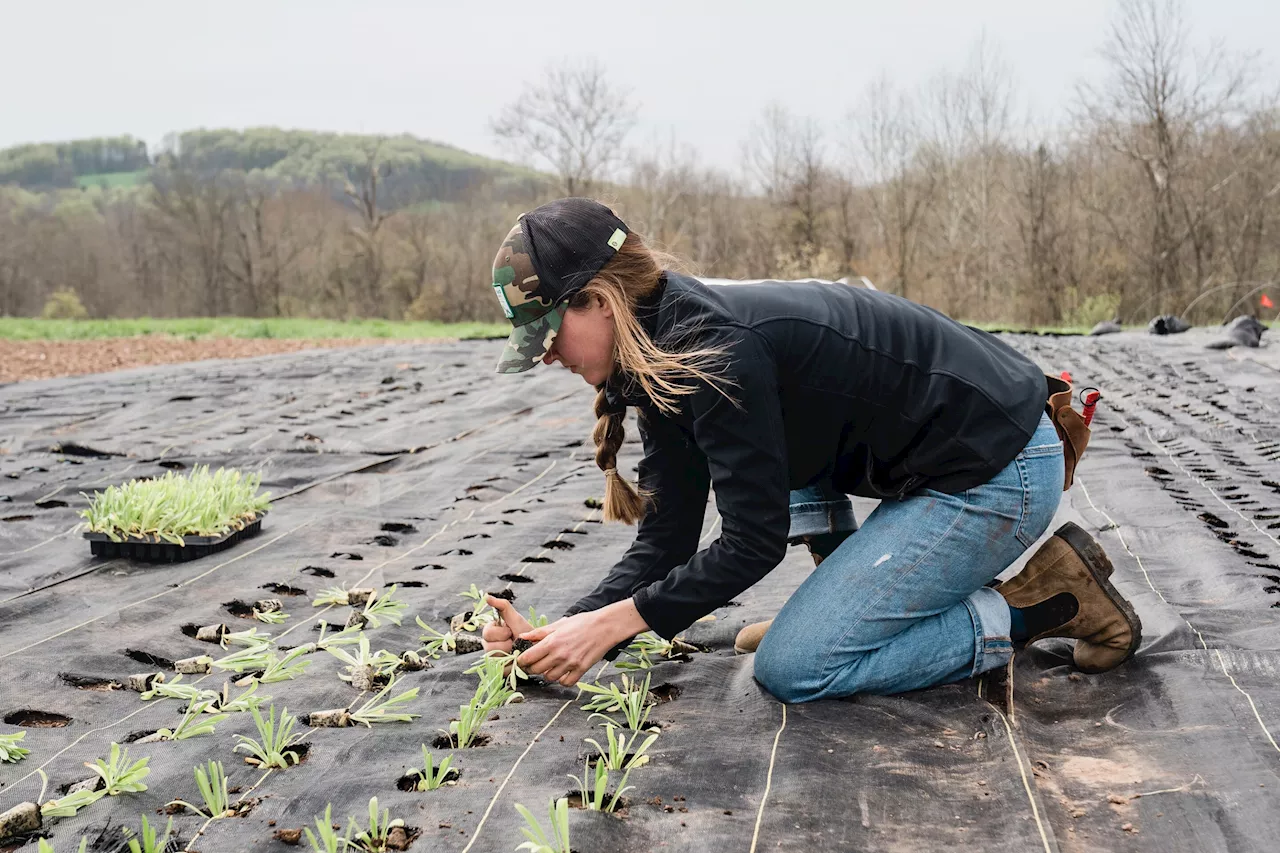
(415, 170)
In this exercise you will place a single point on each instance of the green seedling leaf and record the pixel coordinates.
(538, 840)
(271, 749)
(326, 839)
(431, 777)
(211, 782)
(178, 505)
(10, 752)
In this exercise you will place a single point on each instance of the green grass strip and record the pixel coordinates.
(196, 328)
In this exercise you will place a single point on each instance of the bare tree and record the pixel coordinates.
(574, 120)
(1157, 103)
(366, 269)
(900, 190)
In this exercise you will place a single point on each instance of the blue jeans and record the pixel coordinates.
(901, 604)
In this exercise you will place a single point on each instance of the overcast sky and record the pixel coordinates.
(703, 69)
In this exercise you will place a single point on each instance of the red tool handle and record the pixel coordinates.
(1091, 398)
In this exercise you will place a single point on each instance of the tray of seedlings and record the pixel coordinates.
(176, 517)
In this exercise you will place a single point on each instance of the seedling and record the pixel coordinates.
(491, 694)
(343, 637)
(174, 689)
(176, 505)
(146, 840)
(10, 751)
(503, 662)
(119, 775)
(435, 643)
(271, 617)
(340, 597)
(594, 788)
(70, 804)
(287, 667)
(326, 839)
(43, 846)
(537, 619)
(648, 648)
(215, 702)
(538, 842)
(272, 750)
(373, 839)
(364, 668)
(382, 607)
(249, 638)
(262, 659)
(631, 700)
(481, 613)
(431, 777)
(378, 709)
(193, 722)
(616, 756)
(246, 701)
(212, 784)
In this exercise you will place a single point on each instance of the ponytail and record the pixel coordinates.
(622, 500)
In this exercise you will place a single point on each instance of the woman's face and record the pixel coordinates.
(584, 343)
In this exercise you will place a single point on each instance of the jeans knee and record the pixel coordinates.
(782, 674)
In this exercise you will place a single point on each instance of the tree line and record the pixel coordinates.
(1159, 194)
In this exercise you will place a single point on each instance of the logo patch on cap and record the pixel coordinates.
(619, 237)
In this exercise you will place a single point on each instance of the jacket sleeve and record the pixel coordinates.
(674, 471)
(745, 450)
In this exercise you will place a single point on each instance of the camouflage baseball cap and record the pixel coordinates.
(550, 254)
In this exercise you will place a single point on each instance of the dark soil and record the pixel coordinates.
(30, 719)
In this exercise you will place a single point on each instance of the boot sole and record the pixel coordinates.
(1099, 566)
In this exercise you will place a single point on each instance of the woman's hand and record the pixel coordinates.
(497, 636)
(566, 649)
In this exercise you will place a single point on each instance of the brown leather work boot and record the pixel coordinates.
(748, 639)
(1071, 563)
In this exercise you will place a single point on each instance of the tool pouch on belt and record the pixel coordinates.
(1070, 426)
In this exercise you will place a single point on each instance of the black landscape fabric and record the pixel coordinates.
(414, 465)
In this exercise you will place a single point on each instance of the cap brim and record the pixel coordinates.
(528, 344)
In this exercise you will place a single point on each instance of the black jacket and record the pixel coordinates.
(878, 394)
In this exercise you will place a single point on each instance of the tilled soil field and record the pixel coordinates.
(24, 360)
(416, 466)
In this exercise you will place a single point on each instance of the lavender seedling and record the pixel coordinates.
(147, 842)
(616, 756)
(70, 804)
(270, 617)
(435, 643)
(481, 613)
(538, 842)
(9, 750)
(43, 846)
(631, 700)
(364, 668)
(326, 839)
(273, 748)
(374, 838)
(285, 668)
(503, 662)
(377, 709)
(212, 785)
(431, 777)
(382, 607)
(119, 775)
(193, 722)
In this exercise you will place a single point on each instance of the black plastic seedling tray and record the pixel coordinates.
(150, 550)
